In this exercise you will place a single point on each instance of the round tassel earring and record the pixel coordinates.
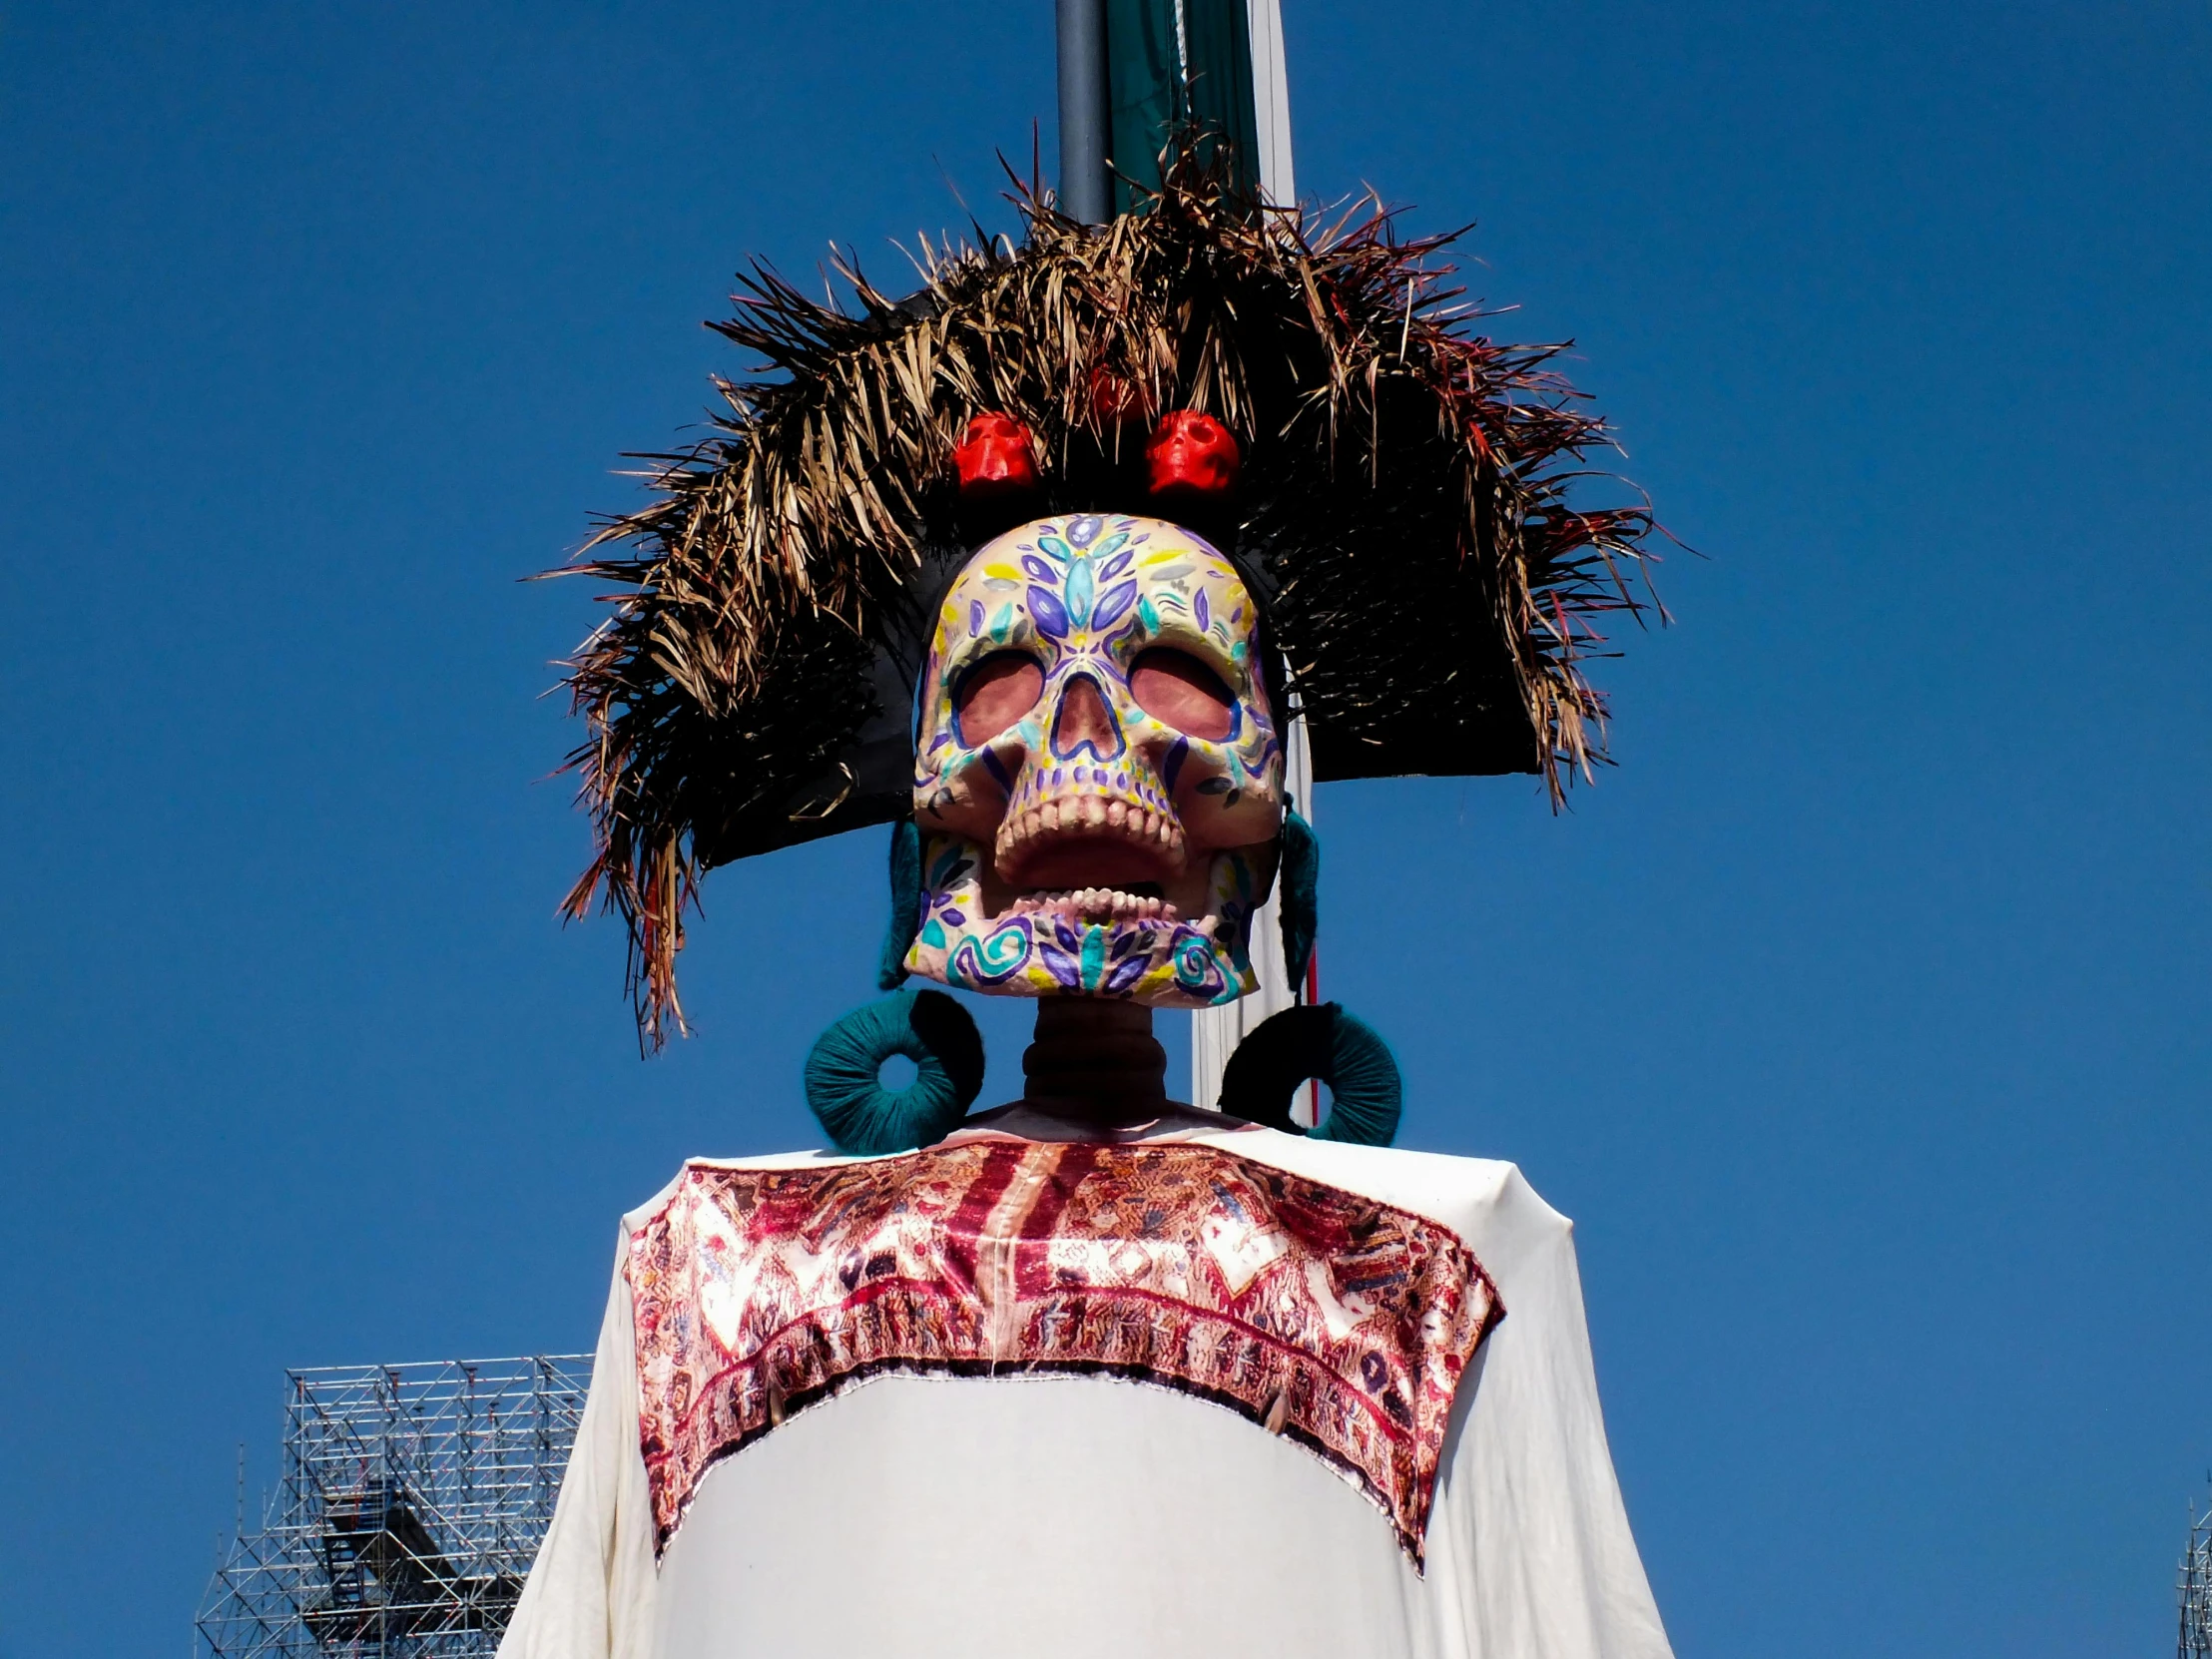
(860, 1114)
(1366, 1091)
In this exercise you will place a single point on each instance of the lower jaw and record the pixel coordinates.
(979, 935)
(1160, 964)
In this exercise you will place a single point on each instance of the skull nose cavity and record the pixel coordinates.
(1085, 719)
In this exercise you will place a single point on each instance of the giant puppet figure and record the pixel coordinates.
(1036, 566)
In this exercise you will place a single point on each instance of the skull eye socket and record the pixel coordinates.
(994, 694)
(1174, 687)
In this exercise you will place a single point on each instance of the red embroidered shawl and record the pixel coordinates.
(1337, 1320)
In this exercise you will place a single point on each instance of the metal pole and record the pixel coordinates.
(1086, 187)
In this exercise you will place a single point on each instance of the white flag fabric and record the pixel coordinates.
(1271, 98)
(1216, 1033)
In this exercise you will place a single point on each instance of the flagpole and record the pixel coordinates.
(1086, 183)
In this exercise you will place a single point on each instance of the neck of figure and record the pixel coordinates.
(1095, 1059)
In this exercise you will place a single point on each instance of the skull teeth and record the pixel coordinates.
(1099, 813)
(1095, 905)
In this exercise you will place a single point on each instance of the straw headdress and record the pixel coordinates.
(1405, 510)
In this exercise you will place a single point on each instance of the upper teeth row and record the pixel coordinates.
(1091, 813)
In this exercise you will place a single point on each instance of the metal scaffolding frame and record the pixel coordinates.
(410, 1506)
(2195, 1641)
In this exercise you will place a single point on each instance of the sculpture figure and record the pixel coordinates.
(1037, 566)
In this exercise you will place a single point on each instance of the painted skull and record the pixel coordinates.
(1098, 783)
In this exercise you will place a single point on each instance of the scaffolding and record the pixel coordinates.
(2195, 1641)
(409, 1505)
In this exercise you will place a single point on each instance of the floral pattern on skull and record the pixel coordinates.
(1098, 781)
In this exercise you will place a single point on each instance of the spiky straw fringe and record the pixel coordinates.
(1406, 488)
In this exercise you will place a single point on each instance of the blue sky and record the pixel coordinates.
(1859, 1016)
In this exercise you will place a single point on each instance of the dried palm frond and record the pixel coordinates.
(1405, 511)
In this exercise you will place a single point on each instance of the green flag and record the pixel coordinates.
(1171, 61)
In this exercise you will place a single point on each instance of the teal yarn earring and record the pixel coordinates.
(1365, 1089)
(859, 1113)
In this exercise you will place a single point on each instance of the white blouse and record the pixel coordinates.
(1013, 1517)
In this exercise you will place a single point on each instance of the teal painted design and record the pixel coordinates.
(1078, 590)
(996, 958)
(1196, 969)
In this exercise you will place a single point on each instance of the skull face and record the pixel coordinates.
(1099, 784)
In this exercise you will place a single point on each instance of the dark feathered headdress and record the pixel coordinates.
(1403, 511)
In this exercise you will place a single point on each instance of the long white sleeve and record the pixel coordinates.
(1530, 1555)
(1529, 1546)
(591, 1593)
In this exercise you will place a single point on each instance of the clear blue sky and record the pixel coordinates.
(1859, 1016)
